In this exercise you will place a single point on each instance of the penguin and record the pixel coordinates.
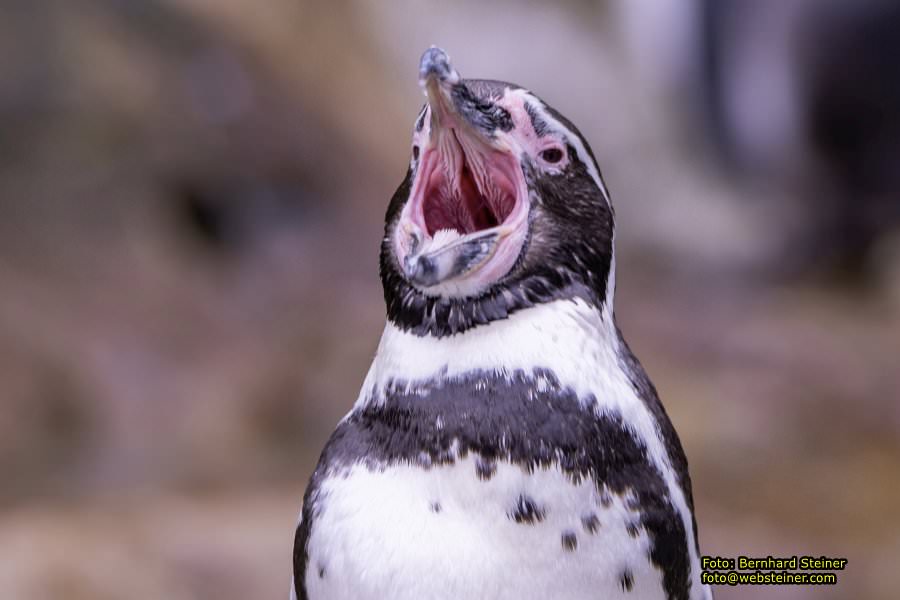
(506, 443)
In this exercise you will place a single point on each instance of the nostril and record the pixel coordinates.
(415, 152)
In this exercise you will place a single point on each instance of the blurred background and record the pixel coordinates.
(192, 194)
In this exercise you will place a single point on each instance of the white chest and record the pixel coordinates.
(410, 533)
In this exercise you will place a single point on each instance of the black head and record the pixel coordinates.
(502, 207)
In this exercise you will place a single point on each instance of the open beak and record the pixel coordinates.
(468, 200)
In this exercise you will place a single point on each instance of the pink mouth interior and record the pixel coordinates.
(481, 195)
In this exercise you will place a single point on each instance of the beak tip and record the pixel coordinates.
(435, 65)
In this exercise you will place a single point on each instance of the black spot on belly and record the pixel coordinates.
(569, 541)
(485, 469)
(606, 499)
(321, 571)
(527, 511)
(435, 507)
(626, 580)
(632, 528)
(590, 522)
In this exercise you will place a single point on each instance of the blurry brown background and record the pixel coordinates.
(192, 195)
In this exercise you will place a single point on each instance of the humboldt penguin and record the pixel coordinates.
(506, 443)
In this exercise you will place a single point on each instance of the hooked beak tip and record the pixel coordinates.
(435, 68)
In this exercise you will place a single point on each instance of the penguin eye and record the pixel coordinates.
(552, 155)
(416, 152)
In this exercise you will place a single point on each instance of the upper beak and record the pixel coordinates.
(453, 106)
(437, 78)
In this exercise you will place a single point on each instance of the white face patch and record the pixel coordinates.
(527, 140)
(571, 138)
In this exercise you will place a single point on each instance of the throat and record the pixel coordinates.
(467, 189)
(561, 339)
(476, 205)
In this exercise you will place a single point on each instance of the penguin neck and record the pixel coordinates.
(567, 337)
(411, 310)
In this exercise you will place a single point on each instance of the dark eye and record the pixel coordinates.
(552, 155)
(415, 153)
